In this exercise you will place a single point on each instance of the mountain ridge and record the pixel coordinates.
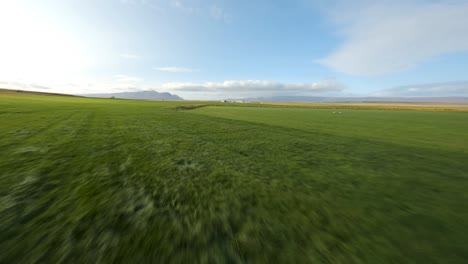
(140, 95)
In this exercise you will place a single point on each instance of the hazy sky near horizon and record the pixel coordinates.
(215, 49)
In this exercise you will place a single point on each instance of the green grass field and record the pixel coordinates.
(120, 181)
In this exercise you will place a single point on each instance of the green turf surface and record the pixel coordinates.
(120, 181)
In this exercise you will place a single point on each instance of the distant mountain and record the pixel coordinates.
(141, 95)
(351, 99)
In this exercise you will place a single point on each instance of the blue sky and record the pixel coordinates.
(215, 49)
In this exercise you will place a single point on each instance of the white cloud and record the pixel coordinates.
(176, 69)
(130, 56)
(393, 36)
(253, 88)
(238, 89)
(428, 90)
(204, 90)
(127, 79)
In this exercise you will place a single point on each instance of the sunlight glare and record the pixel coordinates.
(34, 48)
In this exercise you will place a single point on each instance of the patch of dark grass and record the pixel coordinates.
(187, 107)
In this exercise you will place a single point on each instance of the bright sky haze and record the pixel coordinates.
(216, 49)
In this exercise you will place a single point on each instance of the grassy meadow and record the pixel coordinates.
(121, 181)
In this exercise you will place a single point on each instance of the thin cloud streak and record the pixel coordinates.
(443, 89)
(130, 56)
(176, 69)
(127, 79)
(385, 38)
